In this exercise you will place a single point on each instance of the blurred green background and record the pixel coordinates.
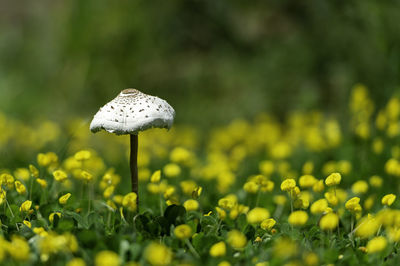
(211, 60)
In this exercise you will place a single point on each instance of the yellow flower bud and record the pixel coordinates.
(107, 258)
(298, 218)
(268, 224)
(51, 216)
(129, 201)
(158, 254)
(388, 199)
(319, 206)
(376, 244)
(60, 175)
(236, 239)
(257, 215)
(183, 231)
(34, 171)
(333, 179)
(288, 185)
(20, 187)
(218, 249)
(191, 205)
(27, 223)
(155, 177)
(329, 221)
(63, 199)
(25, 206)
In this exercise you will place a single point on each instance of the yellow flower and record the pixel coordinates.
(369, 202)
(63, 199)
(331, 198)
(280, 200)
(111, 204)
(82, 155)
(107, 258)
(353, 205)
(3, 195)
(376, 244)
(42, 182)
(118, 199)
(221, 213)
(7, 179)
(40, 231)
(108, 192)
(155, 177)
(251, 187)
(344, 167)
(378, 145)
(224, 263)
(183, 231)
(268, 224)
(25, 206)
(218, 249)
(188, 186)
(236, 239)
(288, 184)
(257, 215)
(367, 226)
(158, 254)
(169, 192)
(285, 247)
(298, 218)
(393, 234)
(197, 192)
(311, 259)
(319, 186)
(359, 187)
(308, 168)
(27, 223)
(267, 185)
(19, 248)
(191, 205)
(51, 216)
(86, 176)
(34, 171)
(129, 201)
(60, 175)
(329, 221)
(20, 187)
(333, 179)
(266, 167)
(319, 206)
(388, 199)
(228, 202)
(22, 173)
(171, 170)
(46, 159)
(375, 181)
(76, 262)
(307, 181)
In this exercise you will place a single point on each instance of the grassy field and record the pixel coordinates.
(310, 190)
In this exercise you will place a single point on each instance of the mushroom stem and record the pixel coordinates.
(133, 164)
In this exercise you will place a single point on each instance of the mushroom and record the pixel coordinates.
(129, 113)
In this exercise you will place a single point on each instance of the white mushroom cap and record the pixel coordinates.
(133, 111)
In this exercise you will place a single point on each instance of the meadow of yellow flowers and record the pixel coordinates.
(312, 190)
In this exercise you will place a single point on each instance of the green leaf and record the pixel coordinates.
(175, 214)
(65, 224)
(79, 219)
(202, 243)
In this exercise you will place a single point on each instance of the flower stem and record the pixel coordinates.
(191, 248)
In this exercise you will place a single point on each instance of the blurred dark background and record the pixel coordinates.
(211, 60)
